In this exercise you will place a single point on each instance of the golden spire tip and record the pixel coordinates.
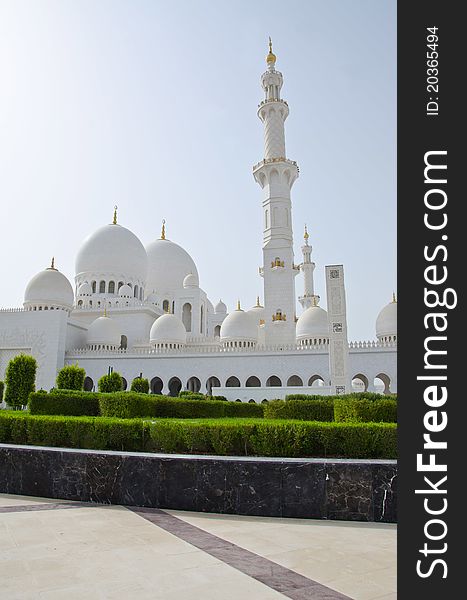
(163, 230)
(257, 301)
(271, 57)
(114, 222)
(394, 297)
(52, 264)
(238, 305)
(306, 235)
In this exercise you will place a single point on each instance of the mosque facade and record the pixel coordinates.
(141, 311)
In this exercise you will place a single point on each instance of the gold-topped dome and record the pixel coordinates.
(271, 57)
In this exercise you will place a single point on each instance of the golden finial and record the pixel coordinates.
(163, 230)
(238, 305)
(257, 301)
(52, 264)
(314, 301)
(271, 57)
(394, 297)
(306, 235)
(114, 222)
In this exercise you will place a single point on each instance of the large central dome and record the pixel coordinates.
(113, 249)
(168, 265)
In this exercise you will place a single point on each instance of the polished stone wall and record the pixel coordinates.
(356, 490)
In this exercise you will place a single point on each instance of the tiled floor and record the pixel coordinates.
(110, 552)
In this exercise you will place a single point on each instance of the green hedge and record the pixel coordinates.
(276, 438)
(71, 377)
(64, 402)
(373, 396)
(254, 437)
(20, 377)
(2, 387)
(362, 410)
(305, 410)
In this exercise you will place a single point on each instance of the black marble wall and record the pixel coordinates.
(353, 490)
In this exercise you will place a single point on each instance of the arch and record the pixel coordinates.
(120, 283)
(294, 380)
(316, 381)
(93, 286)
(165, 306)
(186, 316)
(88, 384)
(111, 287)
(360, 381)
(201, 319)
(385, 380)
(273, 381)
(251, 401)
(253, 381)
(80, 303)
(141, 293)
(217, 331)
(193, 384)
(156, 385)
(212, 382)
(102, 287)
(264, 401)
(135, 292)
(124, 384)
(175, 385)
(123, 342)
(232, 382)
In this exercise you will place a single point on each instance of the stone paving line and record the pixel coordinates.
(250, 564)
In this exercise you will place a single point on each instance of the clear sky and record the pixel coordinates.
(151, 105)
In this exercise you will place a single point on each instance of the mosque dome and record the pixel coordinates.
(312, 325)
(257, 312)
(113, 250)
(220, 309)
(49, 288)
(168, 330)
(104, 332)
(85, 289)
(125, 291)
(386, 322)
(239, 326)
(191, 281)
(168, 265)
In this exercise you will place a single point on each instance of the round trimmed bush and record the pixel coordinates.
(140, 385)
(110, 383)
(71, 377)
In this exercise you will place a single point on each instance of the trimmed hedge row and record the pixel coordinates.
(358, 410)
(305, 410)
(255, 437)
(373, 396)
(130, 405)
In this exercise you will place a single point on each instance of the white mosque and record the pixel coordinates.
(141, 311)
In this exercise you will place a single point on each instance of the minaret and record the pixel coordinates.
(308, 266)
(276, 175)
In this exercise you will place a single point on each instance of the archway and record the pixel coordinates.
(251, 401)
(264, 401)
(124, 384)
(193, 384)
(316, 381)
(232, 382)
(253, 381)
(165, 306)
(156, 385)
(175, 385)
(186, 316)
(382, 383)
(294, 380)
(212, 382)
(217, 331)
(360, 383)
(273, 381)
(111, 287)
(88, 384)
(123, 342)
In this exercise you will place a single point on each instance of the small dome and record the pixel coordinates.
(125, 291)
(115, 251)
(85, 289)
(103, 331)
(239, 326)
(168, 265)
(168, 329)
(257, 312)
(386, 322)
(313, 323)
(49, 288)
(221, 308)
(191, 281)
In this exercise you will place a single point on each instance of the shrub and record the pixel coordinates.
(64, 402)
(219, 398)
(307, 397)
(192, 395)
(140, 385)
(20, 379)
(363, 410)
(276, 438)
(305, 410)
(2, 387)
(110, 383)
(71, 377)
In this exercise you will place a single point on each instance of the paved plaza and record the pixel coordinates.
(54, 550)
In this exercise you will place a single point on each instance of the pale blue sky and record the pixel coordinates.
(151, 105)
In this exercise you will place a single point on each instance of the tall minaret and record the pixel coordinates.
(308, 266)
(276, 175)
